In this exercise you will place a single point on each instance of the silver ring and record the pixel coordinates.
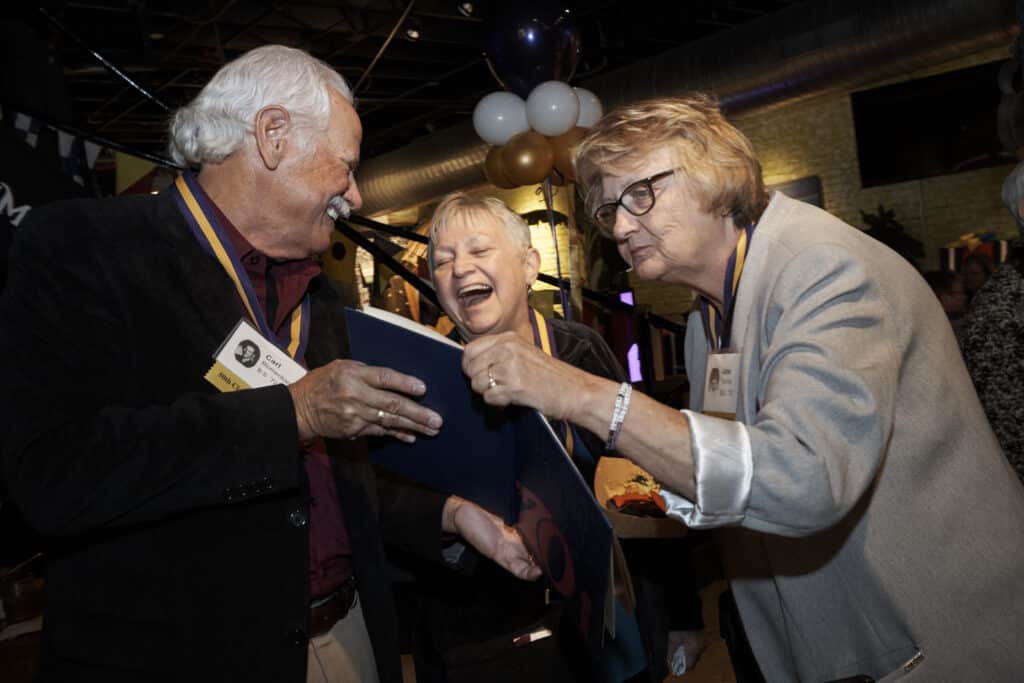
(491, 382)
(380, 416)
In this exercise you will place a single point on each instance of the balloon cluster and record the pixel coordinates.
(533, 138)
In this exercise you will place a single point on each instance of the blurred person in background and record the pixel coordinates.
(976, 269)
(949, 289)
(992, 337)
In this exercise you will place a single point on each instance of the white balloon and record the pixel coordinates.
(552, 108)
(498, 116)
(591, 110)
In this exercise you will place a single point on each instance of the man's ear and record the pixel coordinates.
(273, 124)
(532, 265)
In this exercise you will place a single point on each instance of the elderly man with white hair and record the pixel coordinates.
(992, 337)
(197, 531)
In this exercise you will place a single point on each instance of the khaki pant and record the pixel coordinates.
(343, 654)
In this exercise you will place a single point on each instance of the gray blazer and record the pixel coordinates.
(883, 530)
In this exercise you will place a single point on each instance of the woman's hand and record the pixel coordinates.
(489, 535)
(504, 369)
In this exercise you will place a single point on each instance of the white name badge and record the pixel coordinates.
(246, 360)
(721, 385)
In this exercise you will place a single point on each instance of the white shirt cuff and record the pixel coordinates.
(723, 468)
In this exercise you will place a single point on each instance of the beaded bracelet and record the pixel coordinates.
(621, 406)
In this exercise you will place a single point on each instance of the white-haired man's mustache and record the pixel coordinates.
(339, 207)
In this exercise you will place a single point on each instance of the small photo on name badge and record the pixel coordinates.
(247, 353)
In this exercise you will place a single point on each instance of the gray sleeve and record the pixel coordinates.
(829, 375)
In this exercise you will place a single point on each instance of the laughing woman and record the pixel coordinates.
(482, 266)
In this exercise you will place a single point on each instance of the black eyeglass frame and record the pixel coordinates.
(648, 181)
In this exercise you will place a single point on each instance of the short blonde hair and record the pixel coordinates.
(461, 203)
(716, 160)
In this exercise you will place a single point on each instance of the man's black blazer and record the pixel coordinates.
(177, 516)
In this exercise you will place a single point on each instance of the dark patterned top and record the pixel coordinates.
(993, 344)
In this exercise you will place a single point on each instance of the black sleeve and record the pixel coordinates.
(598, 358)
(587, 351)
(76, 453)
(410, 516)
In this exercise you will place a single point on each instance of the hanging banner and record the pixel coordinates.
(27, 179)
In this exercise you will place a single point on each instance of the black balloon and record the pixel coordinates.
(531, 43)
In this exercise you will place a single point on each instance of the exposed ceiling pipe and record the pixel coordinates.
(427, 168)
(800, 52)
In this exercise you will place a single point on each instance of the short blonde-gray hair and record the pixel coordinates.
(716, 160)
(462, 203)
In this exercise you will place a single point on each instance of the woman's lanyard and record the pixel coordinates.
(544, 340)
(207, 229)
(718, 328)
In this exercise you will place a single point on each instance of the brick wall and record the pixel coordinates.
(817, 138)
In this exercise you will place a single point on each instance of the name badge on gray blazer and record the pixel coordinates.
(721, 378)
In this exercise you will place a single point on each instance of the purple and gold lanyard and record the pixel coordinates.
(208, 231)
(718, 328)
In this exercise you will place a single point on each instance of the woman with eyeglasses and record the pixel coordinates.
(864, 509)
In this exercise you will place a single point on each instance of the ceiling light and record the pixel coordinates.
(466, 9)
(412, 31)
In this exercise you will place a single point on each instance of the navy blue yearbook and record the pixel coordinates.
(508, 461)
(473, 456)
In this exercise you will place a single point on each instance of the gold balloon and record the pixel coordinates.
(528, 158)
(562, 147)
(494, 169)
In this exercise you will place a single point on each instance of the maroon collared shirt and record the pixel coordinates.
(330, 554)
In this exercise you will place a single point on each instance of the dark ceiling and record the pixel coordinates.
(413, 88)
